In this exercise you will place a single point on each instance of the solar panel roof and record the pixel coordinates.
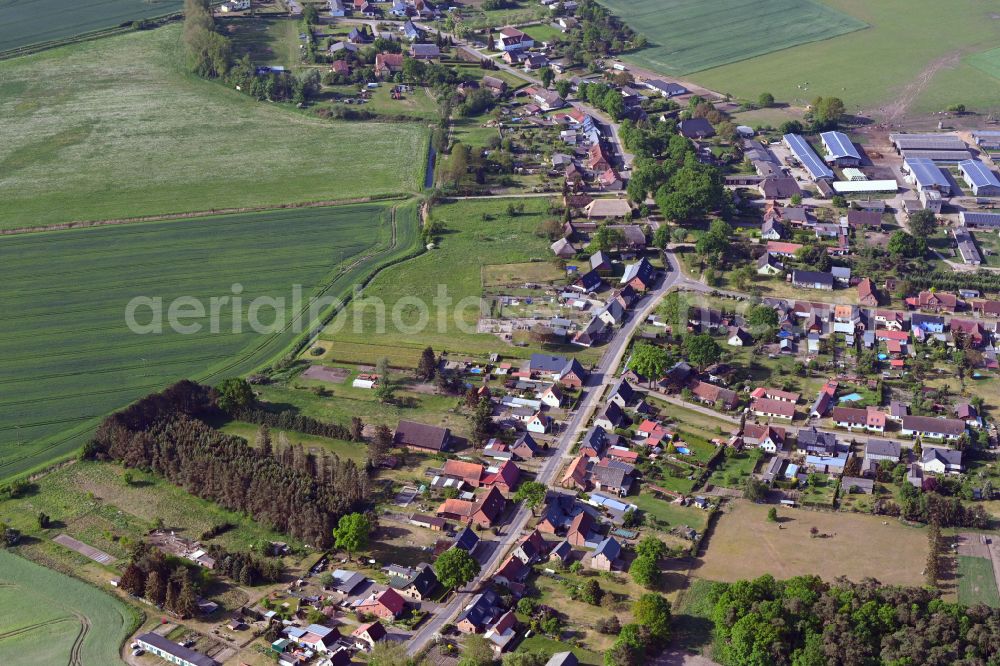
(838, 145)
(807, 156)
(926, 173)
(927, 141)
(978, 174)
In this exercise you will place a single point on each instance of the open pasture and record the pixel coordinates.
(476, 234)
(916, 57)
(744, 545)
(690, 35)
(39, 21)
(115, 128)
(49, 618)
(70, 355)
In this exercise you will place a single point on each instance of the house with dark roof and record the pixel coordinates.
(425, 51)
(532, 548)
(418, 585)
(812, 280)
(524, 447)
(696, 128)
(612, 418)
(482, 611)
(613, 478)
(606, 555)
(622, 393)
(940, 461)
(641, 275)
(816, 442)
(882, 449)
(467, 540)
(422, 437)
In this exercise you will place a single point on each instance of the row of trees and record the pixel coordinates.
(806, 621)
(301, 495)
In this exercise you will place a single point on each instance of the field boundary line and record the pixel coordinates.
(85, 224)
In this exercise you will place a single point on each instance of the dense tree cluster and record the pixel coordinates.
(933, 507)
(292, 491)
(805, 621)
(150, 575)
(245, 568)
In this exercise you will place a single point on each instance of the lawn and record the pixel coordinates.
(115, 128)
(911, 57)
(690, 35)
(745, 545)
(539, 643)
(340, 402)
(733, 472)
(666, 511)
(71, 357)
(268, 41)
(543, 33)
(23, 24)
(400, 312)
(47, 617)
(976, 583)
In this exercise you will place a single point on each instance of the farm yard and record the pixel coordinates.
(103, 130)
(23, 24)
(691, 35)
(71, 358)
(919, 58)
(47, 617)
(744, 545)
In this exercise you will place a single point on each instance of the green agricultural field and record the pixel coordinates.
(115, 128)
(26, 23)
(71, 358)
(468, 243)
(49, 618)
(690, 35)
(976, 583)
(914, 58)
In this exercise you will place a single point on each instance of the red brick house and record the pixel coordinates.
(386, 605)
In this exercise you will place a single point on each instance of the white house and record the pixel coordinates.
(551, 397)
(941, 461)
(539, 423)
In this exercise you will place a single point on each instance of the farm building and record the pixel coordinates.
(421, 437)
(926, 142)
(173, 652)
(864, 186)
(967, 247)
(666, 89)
(979, 178)
(945, 156)
(603, 208)
(975, 220)
(804, 153)
(926, 175)
(840, 150)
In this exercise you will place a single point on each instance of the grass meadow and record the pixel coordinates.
(469, 243)
(71, 358)
(48, 618)
(116, 128)
(691, 35)
(915, 55)
(26, 23)
(976, 583)
(745, 545)
(92, 502)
